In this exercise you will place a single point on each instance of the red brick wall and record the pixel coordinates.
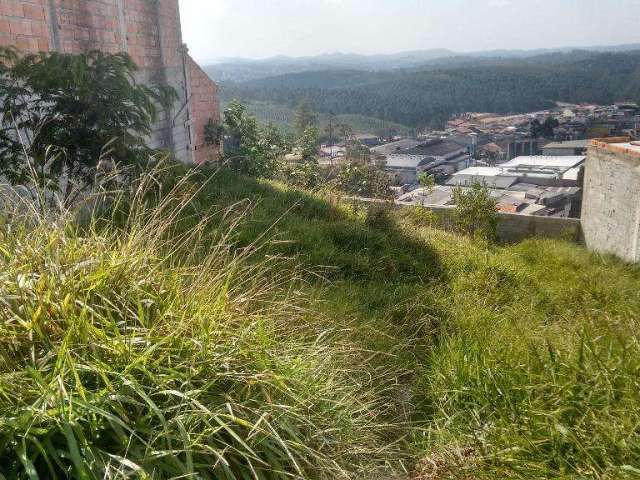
(203, 105)
(149, 30)
(24, 24)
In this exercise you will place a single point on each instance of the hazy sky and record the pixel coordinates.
(263, 28)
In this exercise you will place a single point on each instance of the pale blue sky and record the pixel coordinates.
(263, 28)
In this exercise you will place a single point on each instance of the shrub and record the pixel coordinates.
(73, 112)
(422, 216)
(303, 174)
(475, 212)
(249, 149)
(364, 181)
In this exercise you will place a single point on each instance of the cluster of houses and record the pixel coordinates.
(528, 185)
(573, 122)
(527, 174)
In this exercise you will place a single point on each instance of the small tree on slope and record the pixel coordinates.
(64, 114)
(475, 212)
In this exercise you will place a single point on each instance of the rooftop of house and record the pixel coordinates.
(492, 181)
(521, 198)
(436, 148)
(399, 160)
(570, 144)
(545, 162)
(395, 147)
(517, 170)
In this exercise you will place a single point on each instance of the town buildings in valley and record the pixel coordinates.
(575, 122)
(567, 148)
(542, 186)
(405, 160)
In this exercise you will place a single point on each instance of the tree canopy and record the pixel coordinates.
(429, 97)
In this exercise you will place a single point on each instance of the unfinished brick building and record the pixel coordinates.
(149, 31)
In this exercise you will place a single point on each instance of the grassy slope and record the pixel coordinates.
(524, 358)
(394, 342)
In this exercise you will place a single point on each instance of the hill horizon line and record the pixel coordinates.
(433, 52)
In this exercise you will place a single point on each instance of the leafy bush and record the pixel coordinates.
(423, 217)
(213, 133)
(64, 114)
(250, 149)
(364, 181)
(308, 144)
(303, 174)
(475, 212)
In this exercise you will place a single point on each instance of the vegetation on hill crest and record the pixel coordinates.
(428, 97)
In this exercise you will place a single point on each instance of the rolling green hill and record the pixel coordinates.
(223, 327)
(428, 96)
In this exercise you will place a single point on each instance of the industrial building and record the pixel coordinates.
(542, 186)
(406, 159)
(568, 148)
(538, 170)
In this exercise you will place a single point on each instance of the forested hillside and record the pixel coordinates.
(427, 97)
(283, 117)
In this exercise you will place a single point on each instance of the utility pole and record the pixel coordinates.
(331, 114)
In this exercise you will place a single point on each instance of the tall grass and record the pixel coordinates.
(135, 347)
(517, 361)
(535, 373)
(221, 327)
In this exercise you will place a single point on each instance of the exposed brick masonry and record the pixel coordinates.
(149, 31)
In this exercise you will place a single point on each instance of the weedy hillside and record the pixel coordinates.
(212, 326)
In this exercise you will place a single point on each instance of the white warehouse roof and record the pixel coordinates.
(540, 161)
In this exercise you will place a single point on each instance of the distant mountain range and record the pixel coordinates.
(238, 70)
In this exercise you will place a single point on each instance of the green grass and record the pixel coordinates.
(249, 330)
(134, 347)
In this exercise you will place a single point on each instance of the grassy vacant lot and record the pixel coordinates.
(252, 331)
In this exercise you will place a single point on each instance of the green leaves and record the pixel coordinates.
(364, 180)
(475, 212)
(71, 112)
(249, 149)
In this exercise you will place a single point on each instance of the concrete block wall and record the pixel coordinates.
(149, 31)
(511, 228)
(611, 204)
(514, 228)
